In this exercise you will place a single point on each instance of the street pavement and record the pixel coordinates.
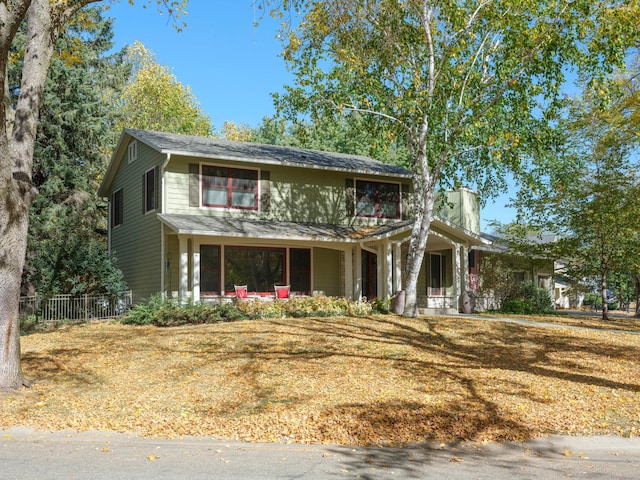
(27, 454)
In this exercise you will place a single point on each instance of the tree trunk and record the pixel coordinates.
(636, 278)
(415, 256)
(14, 235)
(16, 189)
(603, 292)
(424, 192)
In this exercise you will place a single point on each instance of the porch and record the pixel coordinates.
(205, 257)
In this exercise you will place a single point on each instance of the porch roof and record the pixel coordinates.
(277, 230)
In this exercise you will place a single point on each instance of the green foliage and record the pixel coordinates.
(154, 99)
(528, 299)
(167, 312)
(592, 300)
(381, 305)
(347, 133)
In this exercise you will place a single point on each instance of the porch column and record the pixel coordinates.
(397, 267)
(464, 261)
(348, 273)
(196, 271)
(381, 254)
(357, 260)
(457, 277)
(388, 269)
(183, 273)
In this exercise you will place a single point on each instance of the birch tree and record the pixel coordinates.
(472, 86)
(45, 20)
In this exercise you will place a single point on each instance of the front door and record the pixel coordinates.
(369, 275)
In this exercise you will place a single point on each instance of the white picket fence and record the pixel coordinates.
(78, 308)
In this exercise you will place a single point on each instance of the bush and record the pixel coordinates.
(167, 312)
(526, 298)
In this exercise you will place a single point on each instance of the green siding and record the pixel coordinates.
(463, 209)
(296, 194)
(326, 271)
(137, 242)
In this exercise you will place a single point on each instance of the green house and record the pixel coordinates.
(191, 217)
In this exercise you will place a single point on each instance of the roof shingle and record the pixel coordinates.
(260, 153)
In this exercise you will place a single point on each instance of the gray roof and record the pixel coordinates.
(250, 228)
(256, 152)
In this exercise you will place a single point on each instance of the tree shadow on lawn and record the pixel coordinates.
(503, 346)
(52, 366)
(453, 354)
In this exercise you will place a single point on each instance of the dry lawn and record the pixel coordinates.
(382, 380)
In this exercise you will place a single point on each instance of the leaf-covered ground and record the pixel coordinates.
(382, 380)
(617, 321)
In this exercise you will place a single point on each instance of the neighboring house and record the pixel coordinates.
(544, 273)
(190, 217)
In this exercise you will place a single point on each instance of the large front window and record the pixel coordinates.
(229, 187)
(260, 268)
(377, 199)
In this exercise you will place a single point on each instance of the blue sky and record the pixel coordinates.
(231, 66)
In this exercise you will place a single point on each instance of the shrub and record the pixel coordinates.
(526, 298)
(167, 312)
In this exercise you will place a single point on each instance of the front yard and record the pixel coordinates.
(376, 380)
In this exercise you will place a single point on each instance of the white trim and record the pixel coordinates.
(397, 267)
(183, 270)
(388, 269)
(163, 192)
(163, 259)
(348, 273)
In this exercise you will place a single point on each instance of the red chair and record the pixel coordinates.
(282, 291)
(241, 291)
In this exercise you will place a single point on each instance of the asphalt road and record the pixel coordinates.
(25, 454)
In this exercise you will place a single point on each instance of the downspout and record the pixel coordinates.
(163, 202)
(109, 225)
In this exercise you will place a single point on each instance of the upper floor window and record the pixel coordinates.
(116, 208)
(132, 152)
(377, 199)
(229, 187)
(150, 190)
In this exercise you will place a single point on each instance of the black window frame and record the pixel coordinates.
(117, 208)
(149, 194)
